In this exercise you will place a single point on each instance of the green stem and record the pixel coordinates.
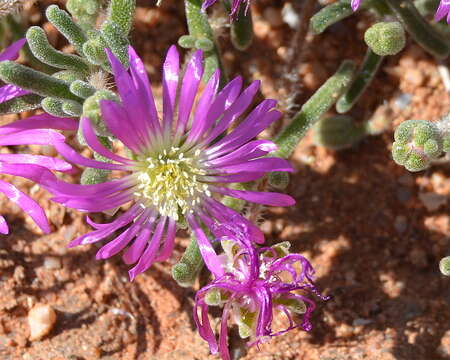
(421, 31)
(313, 109)
(362, 80)
(199, 28)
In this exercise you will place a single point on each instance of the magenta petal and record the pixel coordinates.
(45, 161)
(3, 226)
(92, 141)
(100, 234)
(26, 204)
(134, 252)
(208, 3)
(204, 326)
(263, 164)
(265, 198)
(171, 69)
(443, 10)
(258, 120)
(189, 87)
(29, 137)
(35, 173)
(119, 243)
(118, 122)
(204, 104)
(61, 188)
(223, 101)
(10, 91)
(73, 156)
(149, 255)
(234, 178)
(234, 111)
(41, 121)
(355, 4)
(148, 115)
(223, 345)
(248, 151)
(12, 51)
(169, 242)
(210, 257)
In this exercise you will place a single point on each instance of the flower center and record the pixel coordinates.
(170, 183)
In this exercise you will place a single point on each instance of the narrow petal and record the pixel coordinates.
(149, 255)
(355, 4)
(32, 137)
(248, 151)
(258, 120)
(203, 106)
(169, 242)
(92, 141)
(40, 121)
(223, 101)
(61, 188)
(3, 226)
(27, 204)
(223, 344)
(227, 215)
(12, 51)
(209, 256)
(118, 122)
(73, 156)
(265, 198)
(233, 178)
(36, 173)
(263, 164)
(10, 91)
(234, 111)
(189, 87)
(98, 235)
(148, 115)
(171, 69)
(134, 252)
(45, 161)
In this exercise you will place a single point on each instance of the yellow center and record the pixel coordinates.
(170, 183)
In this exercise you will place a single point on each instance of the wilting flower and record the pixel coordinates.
(9, 91)
(251, 284)
(176, 163)
(443, 10)
(235, 5)
(34, 130)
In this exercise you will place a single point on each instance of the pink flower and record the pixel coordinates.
(182, 160)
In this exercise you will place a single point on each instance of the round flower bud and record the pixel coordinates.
(385, 38)
(417, 143)
(444, 266)
(91, 110)
(337, 132)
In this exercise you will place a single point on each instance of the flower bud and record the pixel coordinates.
(385, 38)
(337, 132)
(417, 143)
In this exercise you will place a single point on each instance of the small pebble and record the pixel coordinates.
(41, 319)
(51, 262)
